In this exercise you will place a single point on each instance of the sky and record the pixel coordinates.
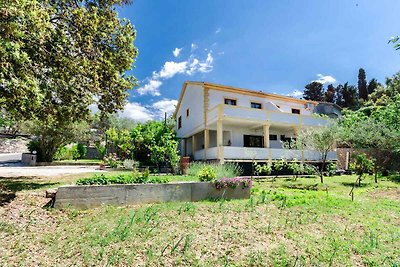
(271, 46)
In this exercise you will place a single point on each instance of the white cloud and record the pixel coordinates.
(218, 31)
(165, 105)
(171, 68)
(295, 93)
(137, 112)
(177, 51)
(152, 88)
(193, 47)
(325, 79)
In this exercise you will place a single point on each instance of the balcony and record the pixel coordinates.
(255, 153)
(237, 113)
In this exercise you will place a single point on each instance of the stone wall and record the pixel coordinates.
(17, 145)
(96, 195)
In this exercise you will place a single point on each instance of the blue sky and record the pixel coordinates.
(273, 46)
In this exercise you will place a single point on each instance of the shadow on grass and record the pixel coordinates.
(9, 186)
(394, 178)
(351, 184)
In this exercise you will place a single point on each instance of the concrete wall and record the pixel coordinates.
(96, 195)
(193, 99)
(217, 97)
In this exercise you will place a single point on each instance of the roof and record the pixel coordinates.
(239, 90)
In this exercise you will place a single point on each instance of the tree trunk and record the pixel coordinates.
(322, 167)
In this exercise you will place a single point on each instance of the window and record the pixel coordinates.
(187, 113)
(295, 111)
(180, 122)
(252, 141)
(231, 102)
(256, 105)
(283, 137)
(273, 137)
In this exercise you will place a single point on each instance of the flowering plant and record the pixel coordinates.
(233, 182)
(112, 160)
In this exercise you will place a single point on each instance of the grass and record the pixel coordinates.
(94, 161)
(286, 222)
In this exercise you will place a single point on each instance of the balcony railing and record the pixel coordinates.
(262, 115)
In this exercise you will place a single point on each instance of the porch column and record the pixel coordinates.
(266, 135)
(220, 144)
(193, 145)
(206, 142)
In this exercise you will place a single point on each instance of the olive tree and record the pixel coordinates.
(320, 139)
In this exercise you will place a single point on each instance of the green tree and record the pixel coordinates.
(346, 96)
(396, 42)
(330, 94)
(59, 57)
(372, 86)
(362, 85)
(320, 139)
(314, 91)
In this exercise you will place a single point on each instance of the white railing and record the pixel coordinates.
(211, 153)
(258, 153)
(262, 115)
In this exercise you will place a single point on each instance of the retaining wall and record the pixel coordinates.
(95, 195)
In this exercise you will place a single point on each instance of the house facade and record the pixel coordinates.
(224, 123)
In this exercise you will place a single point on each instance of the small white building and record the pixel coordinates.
(224, 123)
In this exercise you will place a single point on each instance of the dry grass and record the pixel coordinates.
(281, 225)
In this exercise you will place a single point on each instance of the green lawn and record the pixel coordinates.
(286, 222)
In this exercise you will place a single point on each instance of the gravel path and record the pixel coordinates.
(16, 170)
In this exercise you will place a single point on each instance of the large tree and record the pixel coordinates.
(346, 96)
(314, 91)
(59, 57)
(330, 94)
(372, 86)
(362, 85)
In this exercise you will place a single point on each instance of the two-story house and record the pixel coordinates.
(224, 123)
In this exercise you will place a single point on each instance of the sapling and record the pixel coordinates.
(361, 165)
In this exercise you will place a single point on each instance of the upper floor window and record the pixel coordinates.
(187, 113)
(295, 111)
(231, 102)
(180, 122)
(256, 105)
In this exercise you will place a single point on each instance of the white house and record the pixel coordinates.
(224, 123)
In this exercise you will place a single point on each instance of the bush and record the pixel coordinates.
(82, 150)
(112, 160)
(228, 169)
(233, 182)
(207, 174)
(62, 153)
(130, 164)
(134, 178)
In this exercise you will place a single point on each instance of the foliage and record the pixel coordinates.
(320, 139)
(314, 91)
(59, 57)
(134, 178)
(207, 174)
(130, 164)
(112, 160)
(331, 168)
(396, 42)
(262, 169)
(233, 182)
(362, 164)
(346, 96)
(101, 149)
(362, 85)
(279, 165)
(82, 150)
(298, 168)
(120, 142)
(227, 169)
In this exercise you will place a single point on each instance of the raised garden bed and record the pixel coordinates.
(88, 196)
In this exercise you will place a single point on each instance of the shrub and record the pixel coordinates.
(228, 169)
(62, 153)
(207, 174)
(112, 160)
(130, 164)
(233, 182)
(134, 178)
(82, 150)
(265, 169)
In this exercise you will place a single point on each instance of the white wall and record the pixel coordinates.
(217, 97)
(193, 99)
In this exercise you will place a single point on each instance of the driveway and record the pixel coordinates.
(16, 170)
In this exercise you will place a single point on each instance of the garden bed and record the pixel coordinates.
(88, 196)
